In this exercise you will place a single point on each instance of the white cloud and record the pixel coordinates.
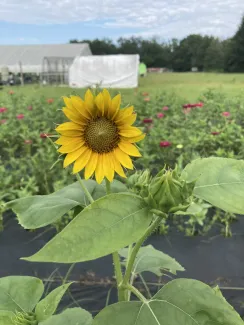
(164, 18)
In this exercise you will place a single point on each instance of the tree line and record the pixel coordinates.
(206, 53)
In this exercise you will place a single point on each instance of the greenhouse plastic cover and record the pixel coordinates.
(110, 71)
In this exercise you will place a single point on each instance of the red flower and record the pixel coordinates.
(28, 141)
(199, 104)
(3, 109)
(44, 135)
(3, 121)
(165, 144)
(20, 116)
(215, 133)
(30, 108)
(186, 105)
(50, 100)
(165, 108)
(226, 114)
(11, 92)
(160, 115)
(145, 94)
(147, 99)
(147, 120)
(192, 105)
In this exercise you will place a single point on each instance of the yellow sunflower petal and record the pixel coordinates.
(129, 120)
(72, 156)
(100, 103)
(123, 158)
(129, 148)
(81, 162)
(123, 113)
(108, 167)
(89, 101)
(107, 101)
(99, 172)
(91, 165)
(68, 102)
(114, 108)
(74, 117)
(135, 139)
(117, 166)
(129, 131)
(80, 106)
(69, 129)
(72, 146)
(63, 140)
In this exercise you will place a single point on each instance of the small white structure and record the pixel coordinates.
(110, 71)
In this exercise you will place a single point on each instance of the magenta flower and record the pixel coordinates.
(226, 114)
(160, 115)
(147, 120)
(165, 108)
(165, 144)
(20, 116)
(3, 109)
(215, 133)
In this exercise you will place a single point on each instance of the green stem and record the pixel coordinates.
(87, 193)
(68, 273)
(136, 248)
(108, 186)
(136, 293)
(118, 275)
(145, 285)
(116, 258)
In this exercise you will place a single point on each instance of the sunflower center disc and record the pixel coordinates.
(101, 135)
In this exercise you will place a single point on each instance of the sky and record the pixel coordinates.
(50, 21)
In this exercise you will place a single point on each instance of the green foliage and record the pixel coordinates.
(47, 306)
(152, 260)
(74, 316)
(39, 211)
(220, 181)
(181, 301)
(117, 219)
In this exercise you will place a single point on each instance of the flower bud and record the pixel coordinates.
(25, 319)
(169, 193)
(139, 182)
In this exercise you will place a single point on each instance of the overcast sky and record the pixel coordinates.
(58, 21)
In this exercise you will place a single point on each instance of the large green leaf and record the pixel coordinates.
(220, 181)
(47, 306)
(41, 210)
(20, 293)
(71, 316)
(179, 302)
(6, 318)
(152, 260)
(107, 225)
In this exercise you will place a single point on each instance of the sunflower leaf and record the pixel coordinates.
(107, 225)
(181, 301)
(74, 316)
(41, 210)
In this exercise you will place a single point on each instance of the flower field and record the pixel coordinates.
(177, 131)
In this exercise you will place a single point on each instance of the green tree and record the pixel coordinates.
(214, 56)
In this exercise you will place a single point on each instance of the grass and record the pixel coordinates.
(188, 86)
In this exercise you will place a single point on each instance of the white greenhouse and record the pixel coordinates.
(50, 61)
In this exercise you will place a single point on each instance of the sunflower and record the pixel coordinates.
(99, 137)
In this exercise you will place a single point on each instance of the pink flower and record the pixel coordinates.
(165, 144)
(147, 120)
(44, 135)
(145, 94)
(11, 92)
(147, 99)
(3, 121)
(165, 108)
(50, 100)
(20, 116)
(160, 115)
(28, 141)
(215, 133)
(226, 114)
(3, 109)
(30, 108)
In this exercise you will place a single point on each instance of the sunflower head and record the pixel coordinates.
(99, 137)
